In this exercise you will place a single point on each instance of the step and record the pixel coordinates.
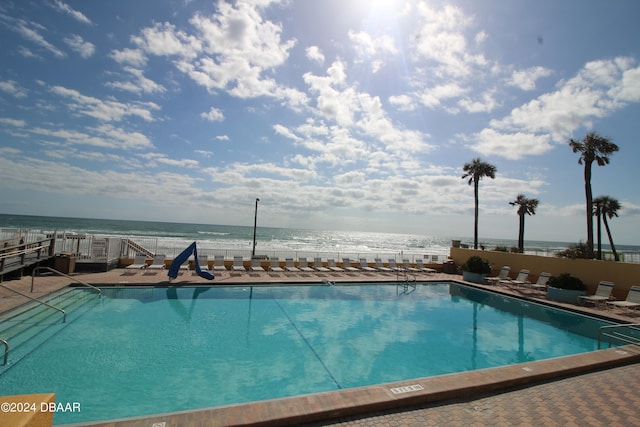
(43, 322)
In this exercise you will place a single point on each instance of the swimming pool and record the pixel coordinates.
(140, 351)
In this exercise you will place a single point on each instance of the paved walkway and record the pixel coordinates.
(607, 398)
(604, 397)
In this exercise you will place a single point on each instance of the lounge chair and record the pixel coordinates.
(275, 265)
(218, 263)
(203, 262)
(317, 266)
(504, 274)
(541, 283)
(632, 301)
(420, 266)
(331, 264)
(185, 265)
(364, 266)
(346, 264)
(520, 280)
(394, 266)
(139, 262)
(381, 267)
(238, 264)
(407, 266)
(290, 266)
(256, 265)
(303, 265)
(158, 262)
(602, 295)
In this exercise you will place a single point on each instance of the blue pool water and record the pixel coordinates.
(147, 350)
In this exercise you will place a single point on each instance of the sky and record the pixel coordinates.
(336, 114)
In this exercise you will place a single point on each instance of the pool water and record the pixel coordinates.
(148, 350)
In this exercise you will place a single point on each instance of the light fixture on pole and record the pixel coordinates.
(255, 224)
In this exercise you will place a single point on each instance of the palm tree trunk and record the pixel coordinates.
(589, 197)
(613, 248)
(475, 222)
(599, 231)
(521, 234)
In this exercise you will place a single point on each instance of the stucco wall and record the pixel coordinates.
(623, 275)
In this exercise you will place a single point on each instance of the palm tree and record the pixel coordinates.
(592, 148)
(525, 206)
(608, 207)
(475, 171)
(597, 212)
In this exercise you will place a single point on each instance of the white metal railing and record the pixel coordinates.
(627, 333)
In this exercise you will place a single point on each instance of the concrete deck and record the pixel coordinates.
(599, 388)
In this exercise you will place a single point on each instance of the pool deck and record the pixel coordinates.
(599, 388)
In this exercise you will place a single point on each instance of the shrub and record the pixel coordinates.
(578, 250)
(475, 264)
(566, 281)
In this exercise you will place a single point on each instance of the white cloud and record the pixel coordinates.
(513, 146)
(106, 110)
(315, 54)
(104, 136)
(12, 122)
(135, 57)
(281, 130)
(526, 79)
(13, 88)
(83, 48)
(213, 115)
(139, 84)
(79, 16)
(27, 30)
(574, 104)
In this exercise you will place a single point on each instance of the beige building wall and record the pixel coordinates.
(623, 275)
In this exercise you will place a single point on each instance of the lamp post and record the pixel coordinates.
(255, 224)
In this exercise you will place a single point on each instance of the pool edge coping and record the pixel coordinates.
(357, 401)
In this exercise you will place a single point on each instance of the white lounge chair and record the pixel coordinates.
(238, 264)
(139, 262)
(632, 301)
(346, 264)
(602, 295)
(331, 264)
(184, 265)
(158, 262)
(317, 266)
(275, 265)
(256, 265)
(218, 263)
(504, 274)
(203, 262)
(381, 267)
(364, 266)
(420, 266)
(541, 283)
(407, 266)
(520, 280)
(290, 266)
(303, 265)
(394, 266)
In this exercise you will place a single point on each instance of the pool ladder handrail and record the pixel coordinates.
(59, 273)
(6, 351)
(604, 332)
(64, 313)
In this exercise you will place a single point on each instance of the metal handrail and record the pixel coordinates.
(59, 273)
(6, 351)
(64, 318)
(604, 332)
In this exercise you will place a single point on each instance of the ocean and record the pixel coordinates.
(170, 238)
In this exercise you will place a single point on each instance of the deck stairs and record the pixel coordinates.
(138, 248)
(27, 327)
